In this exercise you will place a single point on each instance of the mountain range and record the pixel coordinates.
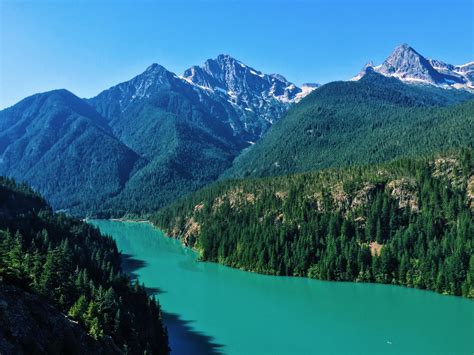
(140, 144)
(144, 142)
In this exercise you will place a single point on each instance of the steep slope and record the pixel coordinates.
(63, 148)
(408, 222)
(40, 328)
(52, 266)
(136, 106)
(371, 120)
(408, 65)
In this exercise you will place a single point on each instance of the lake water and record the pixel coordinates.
(212, 309)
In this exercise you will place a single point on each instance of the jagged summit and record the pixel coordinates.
(258, 98)
(155, 68)
(227, 74)
(408, 65)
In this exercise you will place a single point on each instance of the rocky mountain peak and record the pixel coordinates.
(226, 74)
(257, 98)
(406, 64)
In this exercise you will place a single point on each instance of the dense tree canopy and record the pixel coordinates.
(77, 269)
(408, 222)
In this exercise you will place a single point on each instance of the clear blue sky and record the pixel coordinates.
(87, 46)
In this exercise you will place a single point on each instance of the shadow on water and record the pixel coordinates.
(185, 340)
(154, 291)
(130, 265)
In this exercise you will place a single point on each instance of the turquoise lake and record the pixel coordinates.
(212, 309)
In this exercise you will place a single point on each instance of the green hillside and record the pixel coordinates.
(184, 151)
(373, 120)
(408, 222)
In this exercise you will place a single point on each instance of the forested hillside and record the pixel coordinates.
(407, 222)
(372, 120)
(75, 270)
(181, 134)
(64, 148)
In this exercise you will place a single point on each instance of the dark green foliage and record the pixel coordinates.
(408, 222)
(183, 154)
(347, 123)
(127, 152)
(76, 268)
(64, 148)
(182, 134)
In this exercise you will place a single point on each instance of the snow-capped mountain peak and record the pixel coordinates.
(258, 98)
(406, 64)
(230, 75)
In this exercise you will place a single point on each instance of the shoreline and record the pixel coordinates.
(130, 220)
(284, 276)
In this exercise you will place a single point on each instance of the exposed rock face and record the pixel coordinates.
(191, 229)
(375, 248)
(470, 192)
(258, 99)
(405, 192)
(30, 325)
(449, 169)
(233, 93)
(113, 102)
(406, 63)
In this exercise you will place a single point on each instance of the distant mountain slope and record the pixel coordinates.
(407, 222)
(408, 65)
(63, 148)
(142, 143)
(371, 120)
(142, 111)
(234, 94)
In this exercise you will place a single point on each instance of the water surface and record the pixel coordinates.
(210, 308)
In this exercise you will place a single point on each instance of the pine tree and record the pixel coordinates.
(79, 309)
